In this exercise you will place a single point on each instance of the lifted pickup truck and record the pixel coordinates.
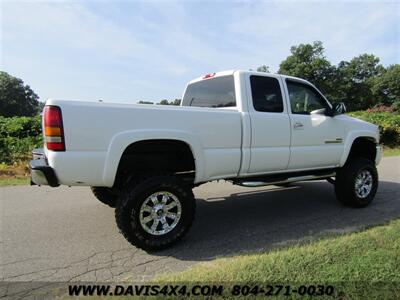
(247, 127)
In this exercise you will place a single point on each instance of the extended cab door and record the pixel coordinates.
(316, 139)
(270, 124)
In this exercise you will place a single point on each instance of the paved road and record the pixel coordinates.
(64, 234)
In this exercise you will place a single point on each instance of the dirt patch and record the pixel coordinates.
(17, 170)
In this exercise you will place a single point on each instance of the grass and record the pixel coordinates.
(17, 174)
(391, 151)
(356, 264)
(14, 181)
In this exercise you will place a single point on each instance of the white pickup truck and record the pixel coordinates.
(246, 127)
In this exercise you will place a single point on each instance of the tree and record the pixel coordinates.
(263, 68)
(16, 98)
(308, 61)
(386, 87)
(164, 102)
(174, 102)
(355, 79)
(145, 102)
(361, 82)
(177, 102)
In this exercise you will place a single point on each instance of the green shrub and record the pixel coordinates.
(20, 127)
(18, 136)
(389, 125)
(396, 106)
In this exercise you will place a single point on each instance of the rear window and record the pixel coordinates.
(215, 92)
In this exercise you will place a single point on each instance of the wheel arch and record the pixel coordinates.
(362, 145)
(124, 141)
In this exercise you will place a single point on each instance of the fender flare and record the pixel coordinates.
(352, 136)
(122, 140)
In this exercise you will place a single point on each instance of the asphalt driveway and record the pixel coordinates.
(65, 234)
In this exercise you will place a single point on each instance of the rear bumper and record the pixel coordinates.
(41, 172)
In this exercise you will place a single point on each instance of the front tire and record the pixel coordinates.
(356, 183)
(156, 212)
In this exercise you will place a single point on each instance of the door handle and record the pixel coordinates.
(298, 125)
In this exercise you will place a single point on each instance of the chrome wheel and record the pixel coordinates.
(363, 184)
(160, 213)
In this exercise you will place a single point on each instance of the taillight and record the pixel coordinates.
(53, 128)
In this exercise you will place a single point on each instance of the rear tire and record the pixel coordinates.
(356, 182)
(156, 212)
(105, 196)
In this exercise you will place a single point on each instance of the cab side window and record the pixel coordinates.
(304, 99)
(266, 93)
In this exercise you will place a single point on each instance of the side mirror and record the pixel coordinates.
(338, 108)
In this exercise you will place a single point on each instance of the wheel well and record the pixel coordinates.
(363, 147)
(169, 156)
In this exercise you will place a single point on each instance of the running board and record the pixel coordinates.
(287, 180)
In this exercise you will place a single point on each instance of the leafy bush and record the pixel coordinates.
(389, 125)
(396, 106)
(18, 136)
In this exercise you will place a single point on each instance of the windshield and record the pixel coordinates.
(215, 92)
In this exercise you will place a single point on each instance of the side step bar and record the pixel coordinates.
(247, 183)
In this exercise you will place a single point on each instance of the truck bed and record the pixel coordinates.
(97, 133)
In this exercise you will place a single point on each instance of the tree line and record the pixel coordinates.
(361, 83)
(163, 102)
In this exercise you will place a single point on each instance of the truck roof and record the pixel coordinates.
(231, 72)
